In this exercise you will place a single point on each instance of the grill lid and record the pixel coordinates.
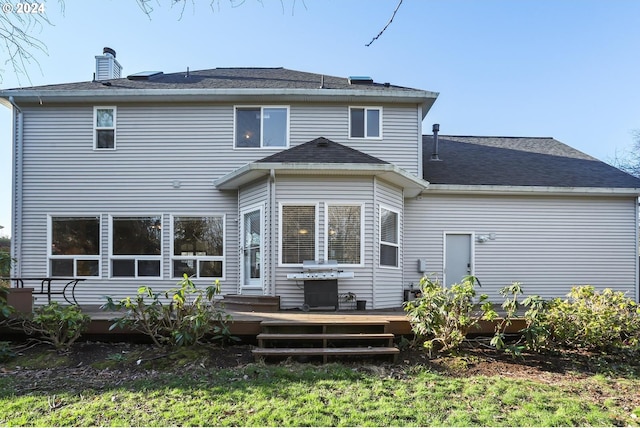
(322, 265)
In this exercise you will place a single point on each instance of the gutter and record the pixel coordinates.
(113, 94)
(16, 187)
(528, 190)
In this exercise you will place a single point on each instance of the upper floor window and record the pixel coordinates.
(389, 237)
(344, 234)
(365, 122)
(136, 247)
(262, 127)
(75, 246)
(104, 121)
(298, 237)
(198, 247)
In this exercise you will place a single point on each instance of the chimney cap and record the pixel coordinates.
(436, 127)
(107, 50)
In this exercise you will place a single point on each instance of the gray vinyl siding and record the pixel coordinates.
(400, 129)
(388, 285)
(165, 162)
(547, 243)
(321, 191)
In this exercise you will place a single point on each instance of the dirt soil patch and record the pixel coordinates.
(100, 366)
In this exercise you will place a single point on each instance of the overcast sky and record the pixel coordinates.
(566, 69)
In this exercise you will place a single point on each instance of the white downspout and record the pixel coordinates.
(272, 239)
(637, 259)
(16, 184)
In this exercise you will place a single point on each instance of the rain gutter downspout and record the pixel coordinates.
(16, 183)
(272, 224)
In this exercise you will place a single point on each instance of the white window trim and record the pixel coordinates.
(328, 204)
(317, 220)
(221, 258)
(78, 256)
(96, 128)
(136, 257)
(261, 107)
(257, 207)
(366, 108)
(390, 244)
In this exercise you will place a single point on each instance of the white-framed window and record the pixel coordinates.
(104, 127)
(136, 247)
(261, 127)
(74, 246)
(197, 246)
(365, 122)
(389, 237)
(343, 231)
(298, 237)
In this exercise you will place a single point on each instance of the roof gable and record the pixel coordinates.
(322, 150)
(515, 161)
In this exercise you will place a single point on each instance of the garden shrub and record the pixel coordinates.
(57, 325)
(442, 316)
(185, 316)
(605, 321)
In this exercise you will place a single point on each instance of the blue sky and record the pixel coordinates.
(566, 69)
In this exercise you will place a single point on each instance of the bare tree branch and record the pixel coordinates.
(629, 161)
(386, 26)
(17, 36)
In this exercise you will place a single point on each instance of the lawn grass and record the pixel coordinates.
(317, 395)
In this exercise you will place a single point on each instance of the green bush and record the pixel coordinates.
(606, 321)
(5, 308)
(442, 316)
(6, 352)
(57, 325)
(190, 315)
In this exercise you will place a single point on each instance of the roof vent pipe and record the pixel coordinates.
(436, 154)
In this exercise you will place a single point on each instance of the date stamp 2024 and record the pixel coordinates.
(23, 8)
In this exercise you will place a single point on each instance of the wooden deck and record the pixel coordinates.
(248, 323)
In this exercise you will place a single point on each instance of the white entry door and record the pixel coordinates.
(458, 260)
(251, 232)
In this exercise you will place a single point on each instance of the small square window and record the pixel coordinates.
(365, 122)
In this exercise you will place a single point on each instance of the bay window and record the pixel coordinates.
(389, 237)
(298, 237)
(344, 233)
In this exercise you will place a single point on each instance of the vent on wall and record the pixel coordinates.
(360, 80)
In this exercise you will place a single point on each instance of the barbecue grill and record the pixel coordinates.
(320, 283)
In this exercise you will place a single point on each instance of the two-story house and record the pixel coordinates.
(242, 174)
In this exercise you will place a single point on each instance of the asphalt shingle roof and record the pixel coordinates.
(228, 78)
(322, 150)
(516, 161)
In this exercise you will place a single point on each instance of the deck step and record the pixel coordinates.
(318, 321)
(334, 336)
(325, 352)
